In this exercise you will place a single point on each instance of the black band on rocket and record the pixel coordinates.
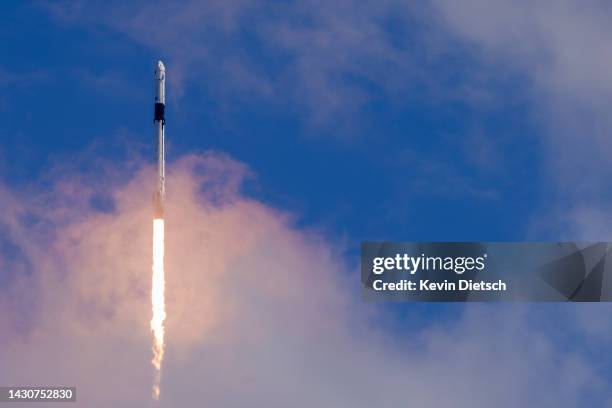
(159, 112)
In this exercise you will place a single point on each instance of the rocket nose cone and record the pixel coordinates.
(160, 66)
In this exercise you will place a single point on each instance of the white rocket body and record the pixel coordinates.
(159, 122)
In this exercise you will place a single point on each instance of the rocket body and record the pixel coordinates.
(159, 122)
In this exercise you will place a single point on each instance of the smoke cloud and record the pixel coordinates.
(260, 313)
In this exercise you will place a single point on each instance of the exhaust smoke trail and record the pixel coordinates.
(158, 303)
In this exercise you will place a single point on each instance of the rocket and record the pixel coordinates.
(159, 123)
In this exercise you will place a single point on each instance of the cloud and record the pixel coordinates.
(563, 56)
(562, 48)
(260, 313)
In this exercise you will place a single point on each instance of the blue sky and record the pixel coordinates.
(355, 121)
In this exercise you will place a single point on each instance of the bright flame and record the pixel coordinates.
(158, 302)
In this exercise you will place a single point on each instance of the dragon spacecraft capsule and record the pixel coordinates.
(159, 122)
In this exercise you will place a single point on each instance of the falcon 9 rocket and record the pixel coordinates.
(159, 123)
(158, 282)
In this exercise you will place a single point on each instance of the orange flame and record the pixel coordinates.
(158, 302)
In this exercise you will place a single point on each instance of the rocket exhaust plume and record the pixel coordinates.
(158, 301)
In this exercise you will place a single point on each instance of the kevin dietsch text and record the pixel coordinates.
(426, 285)
(413, 264)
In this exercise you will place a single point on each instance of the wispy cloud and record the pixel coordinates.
(563, 53)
